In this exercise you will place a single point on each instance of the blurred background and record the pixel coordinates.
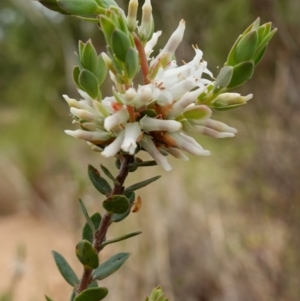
(222, 228)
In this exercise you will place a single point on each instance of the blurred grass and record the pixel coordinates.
(224, 227)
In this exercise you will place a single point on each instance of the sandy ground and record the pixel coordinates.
(40, 275)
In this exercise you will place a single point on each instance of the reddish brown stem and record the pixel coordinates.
(106, 220)
(143, 58)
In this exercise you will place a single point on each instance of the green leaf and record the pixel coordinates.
(131, 62)
(119, 217)
(111, 241)
(89, 83)
(117, 204)
(100, 183)
(246, 47)
(87, 232)
(65, 269)
(109, 175)
(93, 284)
(89, 57)
(228, 107)
(110, 266)
(262, 46)
(87, 254)
(76, 72)
(107, 27)
(241, 73)
(80, 49)
(143, 164)
(79, 7)
(52, 5)
(259, 56)
(47, 298)
(107, 3)
(223, 79)
(120, 44)
(101, 70)
(141, 184)
(86, 215)
(92, 294)
(73, 296)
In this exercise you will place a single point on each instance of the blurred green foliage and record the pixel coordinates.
(261, 164)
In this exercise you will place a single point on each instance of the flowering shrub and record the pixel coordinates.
(156, 116)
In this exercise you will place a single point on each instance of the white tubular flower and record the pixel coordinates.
(227, 99)
(132, 12)
(149, 124)
(177, 153)
(84, 114)
(219, 126)
(159, 115)
(187, 99)
(89, 136)
(132, 134)
(151, 43)
(146, 28)
(114, 147)
(188, 144)
(118, 118)
(151, 148)
(171, 45)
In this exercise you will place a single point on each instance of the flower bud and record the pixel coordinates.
(132, 13)
(226, 101)
(146, 29)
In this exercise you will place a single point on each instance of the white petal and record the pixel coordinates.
(114, 147)
(219, 126)
(132, 133)
(177, 153)
(149, 124)
(189, 144)
(184, 101)
(89, 136)
(116, 119)
(85, 96)
(85, 115)
(150, 147)
(172, 44)
(150, 44)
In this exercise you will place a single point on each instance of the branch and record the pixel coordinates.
(106, 220)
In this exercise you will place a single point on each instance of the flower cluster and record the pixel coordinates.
(157, 116)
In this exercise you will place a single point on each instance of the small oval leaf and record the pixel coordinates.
(117, 204)
(110, 266)
(78, 7)
(76, 72)
(92, 294)
(87, 254)
(65, 269)
(52, 5)
(131, 62)
(89, 83)
(120, 44)
(101, 70)
(223, 79)
(246, 47)
(100, 183)
(119, 217)
(241, 73)
(89, 57)
(87, 232)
